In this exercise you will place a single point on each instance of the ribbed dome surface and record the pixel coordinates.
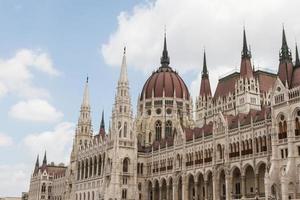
(165, 79)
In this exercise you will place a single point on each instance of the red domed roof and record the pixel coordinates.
(165, 79)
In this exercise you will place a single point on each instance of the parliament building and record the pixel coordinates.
(240, 142)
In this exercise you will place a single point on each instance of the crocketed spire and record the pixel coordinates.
(45, 159)
(165, 60)
(246, 70)
(123, 74)
(205, 90)
(245, 53)
(85, 100)
(285, 69)
(285, 53)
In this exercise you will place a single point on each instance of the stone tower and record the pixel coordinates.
(204, 101)
(122, 150)
(247, 86)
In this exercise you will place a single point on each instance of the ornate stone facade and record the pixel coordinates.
(243, 142)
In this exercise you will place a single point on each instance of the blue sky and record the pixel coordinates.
(48, 47)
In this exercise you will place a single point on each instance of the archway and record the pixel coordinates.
(180, 188)
(191, 187)
(170, 189)
(209, 186)
(261, 179)
(222, 185)
(236, 183)
(249, 182)
(163, 189)
(150, 194)
(201, 188)
(156, 190)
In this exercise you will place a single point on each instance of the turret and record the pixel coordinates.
(205, 90)
(245, 68)
(285, 68)
(247, 86)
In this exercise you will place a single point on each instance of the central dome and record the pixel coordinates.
(165, 79)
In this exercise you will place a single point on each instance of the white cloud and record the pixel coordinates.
(35, 110)
(193, 24)
(57, 142)
(16, 73)
(5, 140)
(14, 177)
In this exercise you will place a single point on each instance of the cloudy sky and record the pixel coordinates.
(48, 47)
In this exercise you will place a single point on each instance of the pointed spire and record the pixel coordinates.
(45, 159)
(205, 90)
(102, 125)
(123, 73)
(204, 71)
(297, 63)
(165, 60)
(245, 53)
(37, 163)
(85, 100)
(284, 43)
(285, 53)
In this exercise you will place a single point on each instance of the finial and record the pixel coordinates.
(87, 78)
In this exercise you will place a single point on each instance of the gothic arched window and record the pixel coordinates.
(150, 137)
(297, 124)
(120, 129)
(282, 128)
(158, 130)
(125, 129)
(125, 165)
(168, 128)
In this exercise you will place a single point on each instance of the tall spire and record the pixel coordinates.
(37, 163)
(165, 60)
(123, 74)
(85, 100)
(204, 71)
(245, 53)
(102, 125)
(285, 53)
(246, 68)
(45, 159)
(205, 90)
(297, 63)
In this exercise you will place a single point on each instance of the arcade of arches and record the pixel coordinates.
(236, 183)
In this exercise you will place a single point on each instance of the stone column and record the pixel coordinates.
(243, 185)
(161, 193)
(175, 191)
(216, 189)
(153, 192)
(256, 184)
(284, 188)
(228, 183)
(184, 187)
(206, 189)
(196, 190)
(167, 192)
